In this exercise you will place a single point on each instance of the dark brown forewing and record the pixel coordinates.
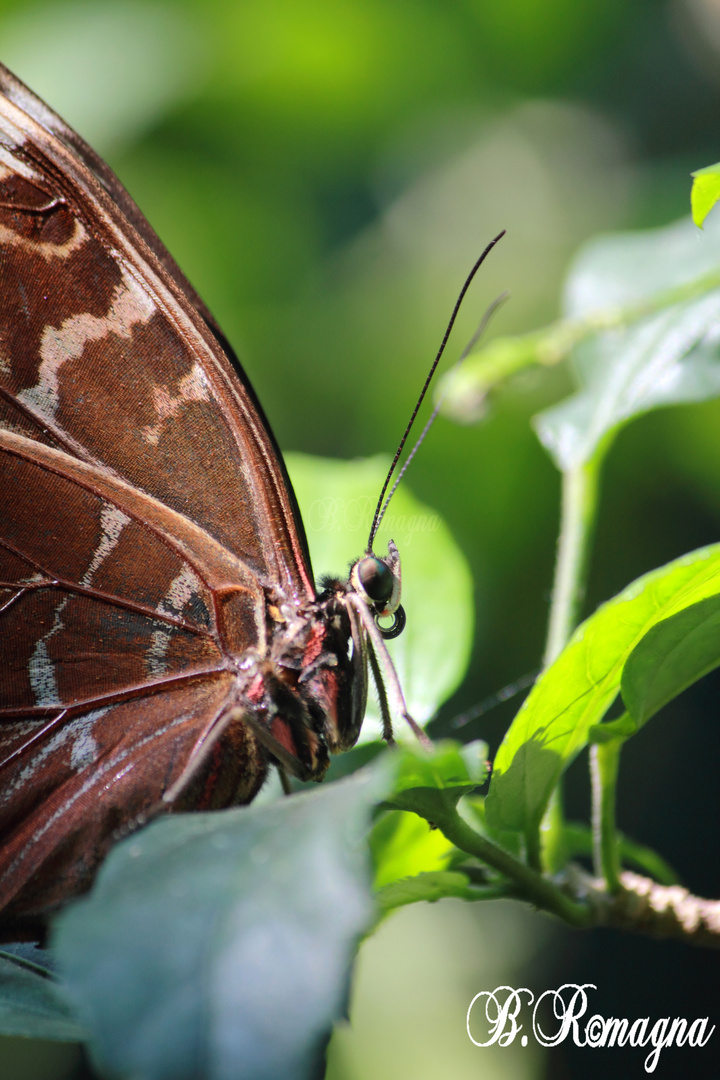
(22, 96)
(103, 355)
(56, 819)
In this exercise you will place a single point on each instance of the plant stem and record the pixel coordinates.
(553, 853)
(535, 887)
(579, 841)
(577, 518)
(604, 761)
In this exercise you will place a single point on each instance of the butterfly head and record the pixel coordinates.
(377, 580)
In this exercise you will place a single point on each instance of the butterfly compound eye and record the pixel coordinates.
(376, 578)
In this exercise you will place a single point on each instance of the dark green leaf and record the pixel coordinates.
(430, 782)
(579, 840)
(449, 765)
(673, 654)
(508, 839)
(32, 1003)
(621, 728)
(219, 945)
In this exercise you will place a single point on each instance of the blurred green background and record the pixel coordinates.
(325, 172)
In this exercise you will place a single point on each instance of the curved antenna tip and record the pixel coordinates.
(381, 507)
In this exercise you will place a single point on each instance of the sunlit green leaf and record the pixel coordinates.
(337, 500)
(404, 845)
(673, 654)
(575, 692)
(705, 192)
(666, 358)
(218, 945)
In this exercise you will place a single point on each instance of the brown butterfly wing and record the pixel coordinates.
(145, 516)
(91, 318)
(55, 126)
(57, 819)
(116, 665)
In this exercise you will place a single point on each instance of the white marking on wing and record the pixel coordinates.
(112, 523)
(11, 136)
(44, 248)
(192, 387)
(156, 656)
(131, 305)
(181, 590)
(83, 752)
(41, 668)
(131, 754)
(85, 749)
(11, 165)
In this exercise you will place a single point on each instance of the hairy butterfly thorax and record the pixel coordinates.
(163, 643)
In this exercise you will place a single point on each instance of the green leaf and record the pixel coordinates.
(432, 783)
(447, 766)
(504, 838)
(219, 945)
(575, 692)
(431, 655)
(404, 845)
(673, 654)
(32, 1003)
(705, 192)
(666, 358)
(613, 730)
(430, 887)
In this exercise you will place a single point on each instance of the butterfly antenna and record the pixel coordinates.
(491, 702)
(382, 503)
(433, 415)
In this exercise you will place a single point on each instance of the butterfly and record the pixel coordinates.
(163, 643)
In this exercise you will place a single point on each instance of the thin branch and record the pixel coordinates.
(505, 356)
(533, 886)
(645, 907)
